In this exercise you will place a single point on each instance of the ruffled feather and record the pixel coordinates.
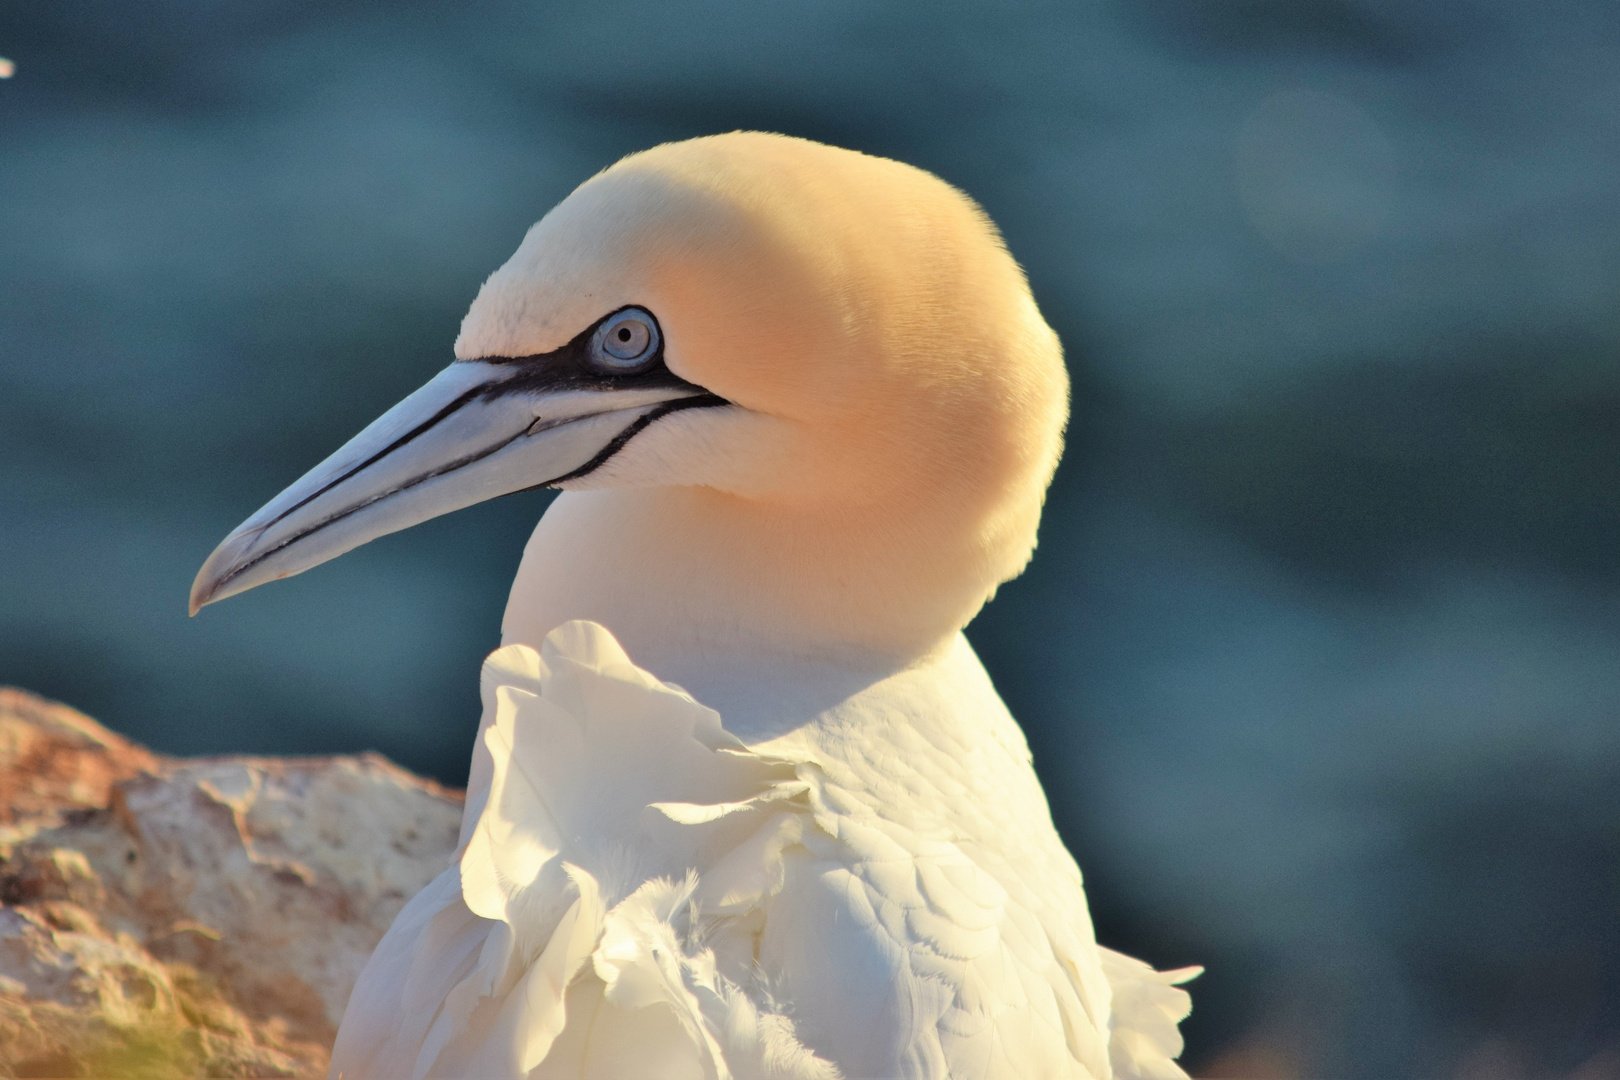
(636, 889)
(618, 845)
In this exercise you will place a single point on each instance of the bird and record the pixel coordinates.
(744, 803)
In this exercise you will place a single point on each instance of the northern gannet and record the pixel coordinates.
(804, 411)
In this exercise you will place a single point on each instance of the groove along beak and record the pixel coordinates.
(478, 429)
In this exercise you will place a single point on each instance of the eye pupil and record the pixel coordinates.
(625, 342)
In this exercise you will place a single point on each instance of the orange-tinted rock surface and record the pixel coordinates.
(206, 917)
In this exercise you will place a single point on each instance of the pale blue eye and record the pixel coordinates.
(625, 342)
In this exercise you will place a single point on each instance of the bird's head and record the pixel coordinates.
(779, 330)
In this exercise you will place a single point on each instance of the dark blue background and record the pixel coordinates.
(1320, 654)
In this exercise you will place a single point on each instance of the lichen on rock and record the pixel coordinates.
(208, 917)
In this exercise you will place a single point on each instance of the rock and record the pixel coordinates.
(53, 759)
(204, 917)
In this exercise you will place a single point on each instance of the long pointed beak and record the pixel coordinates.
(478, 429)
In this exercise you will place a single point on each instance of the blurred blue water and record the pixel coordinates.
(1320, 655)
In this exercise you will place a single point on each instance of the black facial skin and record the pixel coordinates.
(565, 368)
(569, 367)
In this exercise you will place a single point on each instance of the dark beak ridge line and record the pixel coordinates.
(607, 452)
(419, 430)
(697, 401)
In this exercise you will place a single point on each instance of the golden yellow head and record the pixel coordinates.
(845, 344)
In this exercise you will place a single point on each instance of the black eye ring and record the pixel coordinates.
(626, 342)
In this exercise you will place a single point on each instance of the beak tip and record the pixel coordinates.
(202, 591)
(218, 569)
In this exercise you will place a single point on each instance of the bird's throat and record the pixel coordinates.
(701, 587)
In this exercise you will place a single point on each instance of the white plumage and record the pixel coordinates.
(820, 443)
(640, 894)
